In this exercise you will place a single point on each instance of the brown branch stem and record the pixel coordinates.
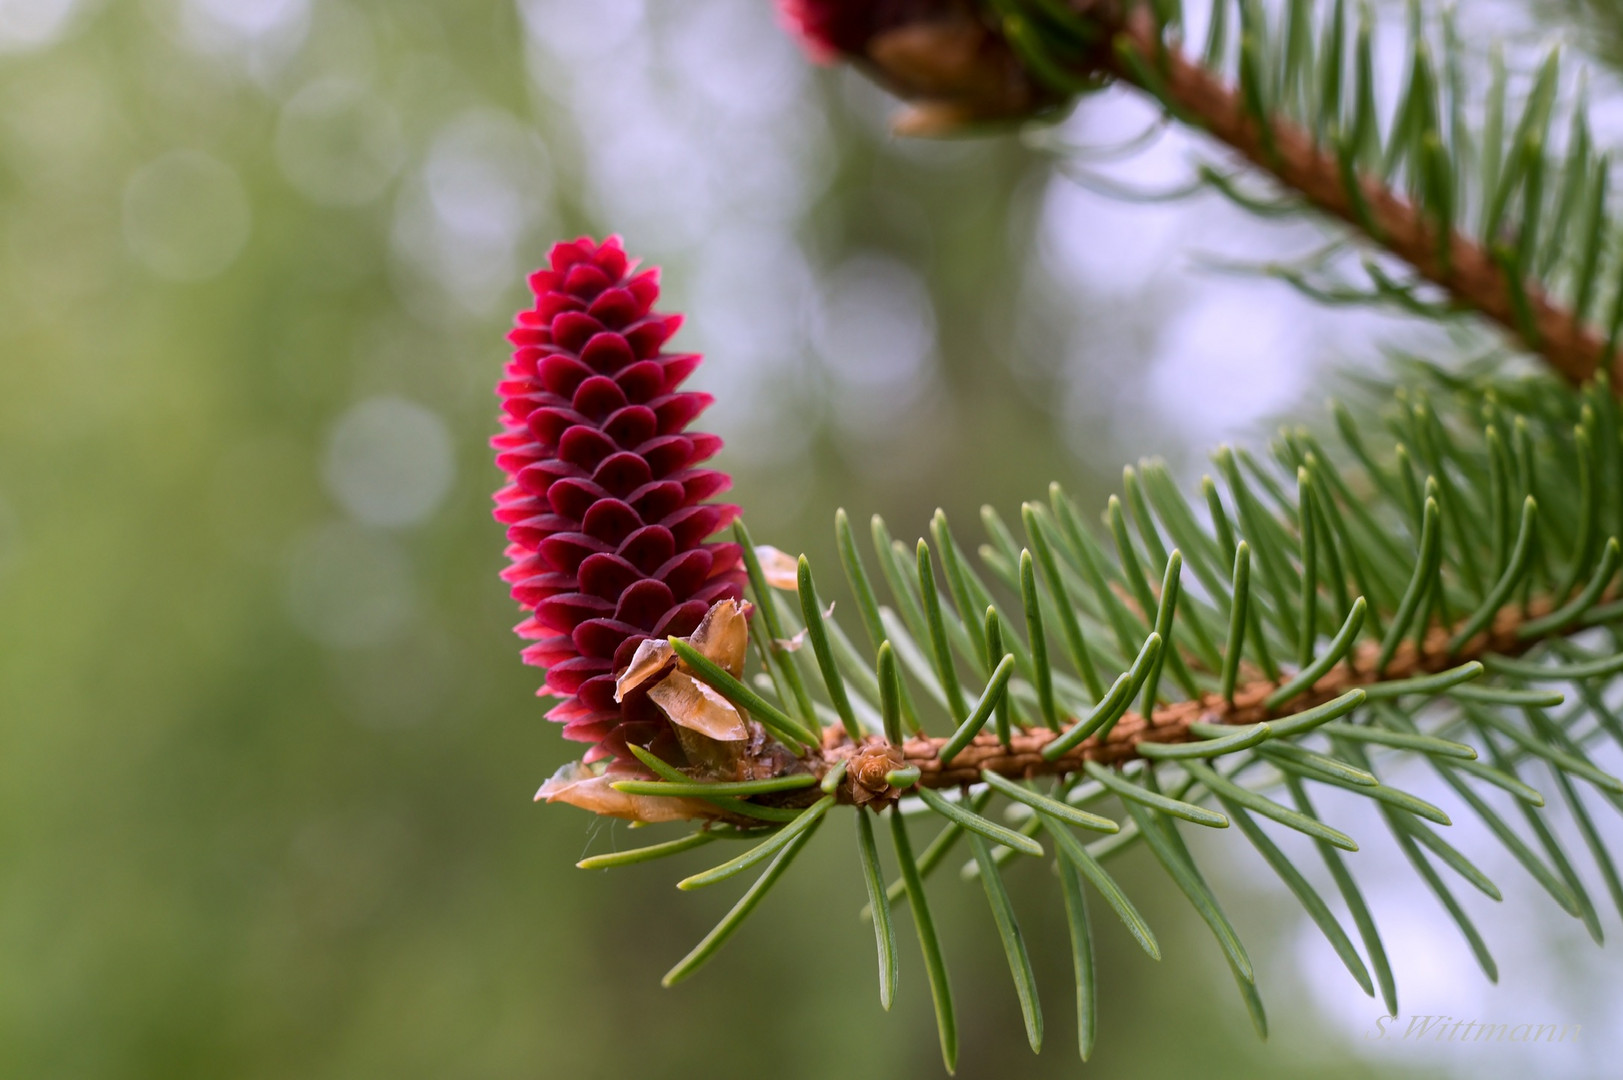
(1022, 759)
(1468, 272)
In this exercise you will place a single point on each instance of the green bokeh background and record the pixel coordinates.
(232, 845)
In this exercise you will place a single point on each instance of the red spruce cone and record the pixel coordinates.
(605, 508)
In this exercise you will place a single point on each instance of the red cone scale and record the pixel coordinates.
(605, 508)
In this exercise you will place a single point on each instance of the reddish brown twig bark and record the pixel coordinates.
(1023, 759)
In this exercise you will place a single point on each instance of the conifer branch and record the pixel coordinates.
(1425, 601)
(1312, 615)
(1472, 274)
(1368, 614)
(1512, 221)
(1169, 724)
(1021, 756)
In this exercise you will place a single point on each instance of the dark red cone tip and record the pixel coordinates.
(605, 502)
(830, 29)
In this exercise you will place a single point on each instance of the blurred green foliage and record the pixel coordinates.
(268, 748)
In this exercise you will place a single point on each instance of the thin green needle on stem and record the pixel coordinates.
(997, 530)
(1308, 620)
(1338, 648)
(783, 728)
(1604, 614)
(904, 777)
(1081, 657)
(761, 852)
(1429, 875)
(982, 713)
(1236, 739)
(1164, 622)
(1014, 945)
(1309, 898)
(879, 909)
(1002, 855)
(1385, 794)
(1240, 600)
(890, 694)
(936, 852)
(1533, 672)
(1158, 833)
(1132, 567)
(1139, 504)
(929, 944)
(1610, 557)
(767, 605)
(867, 602)
(732, 805)
(1183, 528)
(735, 918)
(1520, 559)
(1592, 840)
(994, 650)
(658, 766)
(1220, 519)
(736, 789)
(1559, 888)
(831, 781)
(1076, 916)
(1588, 519)
(1039, 641)
(923, 669)
(921, 666)
(1446, 767)
(1450, 855)
(972, 821)
(1425, 570)
(1426, 684)
(811, 611)
(645, 854)
(1090, 559)
(855, 667)
(1225, 788)
(1289, 755)
(1490, 718)
(941, 650)
(1397, 797)
(1052, 807)
(1287, 727)
(1505, 695)
(1110, 709)
(1356, 906)
(1513, 843)
(957, 582)
(1268, 537)
(1074, 853)
(1425, 744)
(1124, 787)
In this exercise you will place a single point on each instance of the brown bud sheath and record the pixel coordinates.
(940, 56)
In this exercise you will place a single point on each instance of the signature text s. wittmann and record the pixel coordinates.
(1438, 1028)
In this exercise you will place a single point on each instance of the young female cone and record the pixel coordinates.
(605, 507)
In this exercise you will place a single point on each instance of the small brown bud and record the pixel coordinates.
(943, 57)
(868, 769)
